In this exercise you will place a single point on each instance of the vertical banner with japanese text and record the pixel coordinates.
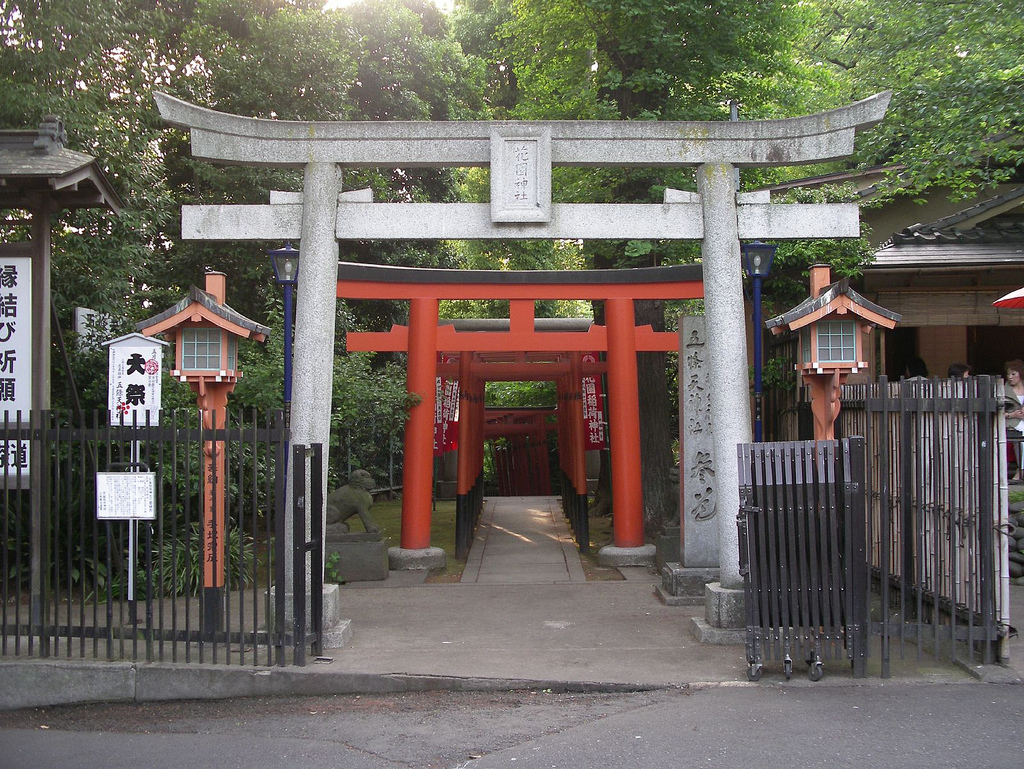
(446, 411)
(134, 379)
(593, 408)
(15, 357)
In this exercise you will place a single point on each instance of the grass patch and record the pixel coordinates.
(1016, 495)
(388, 515)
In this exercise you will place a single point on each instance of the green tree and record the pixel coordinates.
(956, 71)
(97, 62)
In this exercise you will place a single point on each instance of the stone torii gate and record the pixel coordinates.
(520, 157)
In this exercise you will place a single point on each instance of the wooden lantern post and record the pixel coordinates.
(206, 333)
(833, 323)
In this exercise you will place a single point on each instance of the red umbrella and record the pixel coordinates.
(1014, 299)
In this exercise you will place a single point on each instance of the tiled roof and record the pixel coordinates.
(198, 296)
(945, 230)
(31, 161)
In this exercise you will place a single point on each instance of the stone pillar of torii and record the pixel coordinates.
(520, 156)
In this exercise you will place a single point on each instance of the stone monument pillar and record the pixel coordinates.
(313, 353)
(683, 581)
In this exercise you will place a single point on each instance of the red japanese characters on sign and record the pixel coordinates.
(593, 408)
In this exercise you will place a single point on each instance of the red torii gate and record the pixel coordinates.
(423, 339)
(522, 465)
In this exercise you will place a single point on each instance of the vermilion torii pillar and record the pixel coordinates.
(520, 157)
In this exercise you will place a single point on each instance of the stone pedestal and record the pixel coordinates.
(337, 629)
(725, 616)
(400, 559)
(626, 556)
(682, 586)
(361, 557)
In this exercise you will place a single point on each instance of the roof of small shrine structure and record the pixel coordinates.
(835, 298)
(34, 162)
(201, 306)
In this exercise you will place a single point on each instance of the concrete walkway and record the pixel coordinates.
(523, 615)
(525, 610)
(523, 541)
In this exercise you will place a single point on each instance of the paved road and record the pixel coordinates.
(767, 725)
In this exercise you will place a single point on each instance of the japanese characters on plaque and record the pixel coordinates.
(133, 385)
(593, 408)
(124, 496)
(15, 358)
(520, 174)
(696, 451)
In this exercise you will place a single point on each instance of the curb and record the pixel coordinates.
(43, 683)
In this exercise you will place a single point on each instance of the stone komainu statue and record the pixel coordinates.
(351, 499)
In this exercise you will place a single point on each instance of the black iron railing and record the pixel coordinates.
(74, 585)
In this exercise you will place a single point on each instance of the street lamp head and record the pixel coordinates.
(757, 258)
(285, 261)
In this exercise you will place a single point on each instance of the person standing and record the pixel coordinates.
(1014, 392)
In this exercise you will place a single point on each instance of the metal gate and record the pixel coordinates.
(936, 513)
(76, 586)
(802, 553)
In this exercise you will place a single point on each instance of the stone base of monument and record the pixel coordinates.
(400, 559)
(337, 630)
(684, 586)
(668, 547)
(361, 557)
(612, 556)
(724, 616)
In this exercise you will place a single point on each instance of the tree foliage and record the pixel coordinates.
(96, 63)
(956, 71)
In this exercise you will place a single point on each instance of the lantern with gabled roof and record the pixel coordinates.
(206, 333)
(833, 324)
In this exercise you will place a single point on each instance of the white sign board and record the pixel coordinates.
(133, 389)
(15, 357)
(126, 496)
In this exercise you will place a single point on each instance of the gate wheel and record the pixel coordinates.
(816, 671)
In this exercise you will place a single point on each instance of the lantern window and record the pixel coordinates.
(837, 341)
(200, 349)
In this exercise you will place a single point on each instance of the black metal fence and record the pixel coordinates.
(936, 513)
(84, 577)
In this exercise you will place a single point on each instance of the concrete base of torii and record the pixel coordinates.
(724, 616)
(402, 559)
(626, 556)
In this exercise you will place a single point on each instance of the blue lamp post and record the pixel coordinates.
(285, 261)
(757, 260)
